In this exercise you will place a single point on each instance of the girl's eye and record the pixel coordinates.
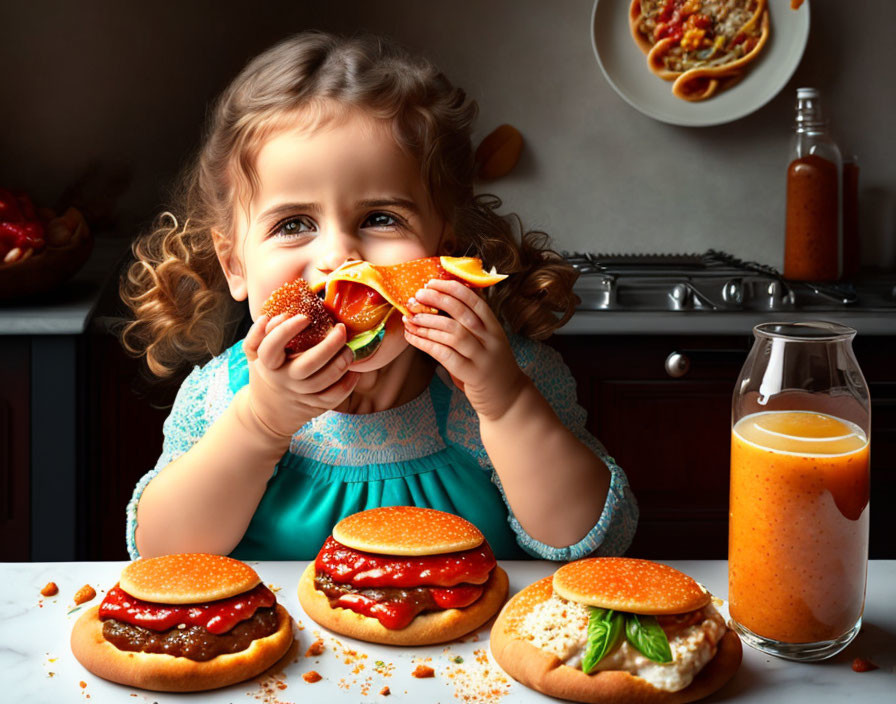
(292, 228)
(384, 220)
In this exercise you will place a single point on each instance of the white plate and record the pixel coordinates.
(625, 67)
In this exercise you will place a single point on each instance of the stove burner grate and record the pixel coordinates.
(713, 280)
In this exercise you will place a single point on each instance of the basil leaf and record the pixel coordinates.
(605, 628)
(648, 638)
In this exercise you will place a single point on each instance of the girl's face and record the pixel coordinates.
(344, 190)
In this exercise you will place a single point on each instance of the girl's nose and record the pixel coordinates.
(337, 250)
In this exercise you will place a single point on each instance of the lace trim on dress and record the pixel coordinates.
(374, 438)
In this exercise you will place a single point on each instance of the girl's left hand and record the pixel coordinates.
(470, 343)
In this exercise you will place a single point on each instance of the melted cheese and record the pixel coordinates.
(560, 627)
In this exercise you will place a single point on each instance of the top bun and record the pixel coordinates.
(407, 530)
(628, 584)
(187, 578)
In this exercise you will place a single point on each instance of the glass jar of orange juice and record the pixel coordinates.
(798, 516)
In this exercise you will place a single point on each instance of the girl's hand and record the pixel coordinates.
(286, 391)
(470, 343)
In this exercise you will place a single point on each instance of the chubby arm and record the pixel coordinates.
(555, 485)
(204, 500)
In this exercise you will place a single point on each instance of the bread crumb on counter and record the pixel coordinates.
(422, 671)
(863, 665)
(316, 648)
(385, 691)
(84, 594)
(312, 676)
(50, 590)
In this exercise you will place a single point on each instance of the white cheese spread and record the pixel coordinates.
(560, 627)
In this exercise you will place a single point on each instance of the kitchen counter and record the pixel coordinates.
(716, 294)
(36, 664)
(659, 322)
(66, 309)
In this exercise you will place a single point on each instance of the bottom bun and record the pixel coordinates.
(426, 628)
(544, 672)
(167, 673)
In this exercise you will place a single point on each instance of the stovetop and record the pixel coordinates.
(714, 281)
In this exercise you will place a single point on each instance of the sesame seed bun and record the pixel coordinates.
(187, 578)
(629, 584)
(293, 298)
(425, 629)
(408, 531)
(545, 672)
(168, 673)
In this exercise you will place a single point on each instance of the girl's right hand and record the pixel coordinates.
(287, 391)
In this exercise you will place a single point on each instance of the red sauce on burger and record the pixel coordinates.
(453, 580)
(216, 617)
(364, 569)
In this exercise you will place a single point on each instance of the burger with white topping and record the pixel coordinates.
(616, 630)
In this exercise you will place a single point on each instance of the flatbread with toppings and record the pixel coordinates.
(703, 46)
(616, 630)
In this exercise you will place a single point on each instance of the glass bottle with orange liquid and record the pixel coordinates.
(798, 514)
(813, 238)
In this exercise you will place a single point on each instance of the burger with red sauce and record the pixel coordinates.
(403, 575)
(182, 623)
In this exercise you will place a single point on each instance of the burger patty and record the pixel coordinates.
(195, 642)
(418, 598)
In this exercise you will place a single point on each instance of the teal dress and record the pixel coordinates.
(426, 452)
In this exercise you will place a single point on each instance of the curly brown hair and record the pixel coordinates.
(183, 313)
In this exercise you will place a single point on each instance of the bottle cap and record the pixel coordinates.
(808, 108)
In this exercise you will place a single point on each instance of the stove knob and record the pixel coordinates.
(779, 295)
(733, 292)
(677, 365)
(679, 297)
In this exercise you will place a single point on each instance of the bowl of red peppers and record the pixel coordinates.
(39, 250)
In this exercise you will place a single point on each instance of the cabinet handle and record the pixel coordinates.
(677, 365)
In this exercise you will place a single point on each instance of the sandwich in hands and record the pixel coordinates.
(182, 623)
(364, 296)
(294, 298)
(616, 630)
(403, 575)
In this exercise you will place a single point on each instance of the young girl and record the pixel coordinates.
(324, 150)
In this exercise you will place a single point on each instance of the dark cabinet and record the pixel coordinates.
(15, 449)
(42, 445)
(662, 407)
(48, 434)
(127, 413)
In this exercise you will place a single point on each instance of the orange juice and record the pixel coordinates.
(798, 530)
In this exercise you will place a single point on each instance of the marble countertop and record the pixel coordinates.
(36, 664)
